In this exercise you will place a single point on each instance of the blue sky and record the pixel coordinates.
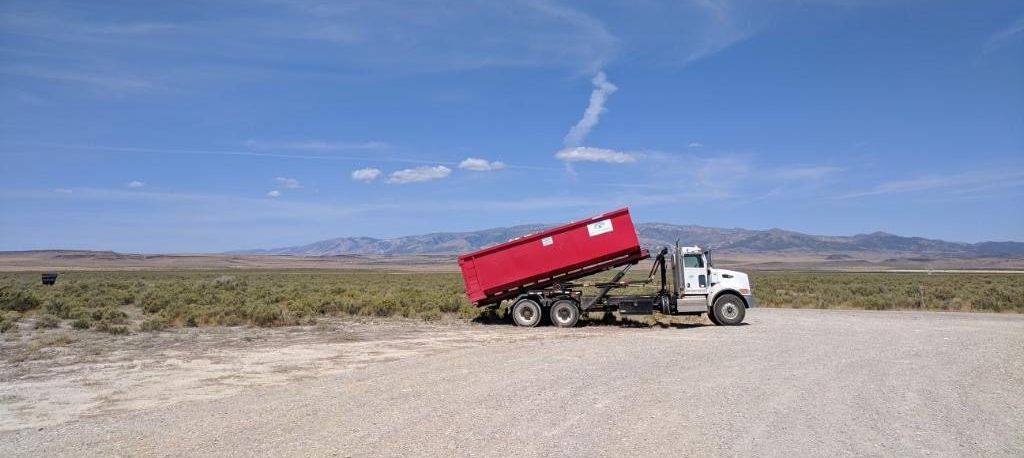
(208, 126)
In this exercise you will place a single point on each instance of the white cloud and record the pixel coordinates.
(425, 173)
(62, 191)
(135, 184)
(587, 153)
(602, 89)
(481, 165)
(367, 174)
(695, 145)
(274, 193)
(290, 183)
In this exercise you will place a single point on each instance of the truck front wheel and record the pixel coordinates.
(711, 316)
(565, 313)
(728, 310)
(526, 313)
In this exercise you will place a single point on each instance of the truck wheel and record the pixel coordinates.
(711, 316)
(665, 305)
(526, 313)
(728, 310)
(565, 313)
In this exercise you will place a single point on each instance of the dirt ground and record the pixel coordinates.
(48, 377)
(789, 383)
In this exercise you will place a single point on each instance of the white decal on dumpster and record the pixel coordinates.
(547, 241)
(599, 227)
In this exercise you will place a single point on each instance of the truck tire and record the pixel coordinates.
(665, 305)
(711, 316)
(728, 310)
(526, 313)
(565, 313)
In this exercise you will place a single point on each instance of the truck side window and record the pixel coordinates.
(692, 261)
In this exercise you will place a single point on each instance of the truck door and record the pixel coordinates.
(695, 275)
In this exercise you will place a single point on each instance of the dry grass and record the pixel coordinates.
(125, 301)
(891, 291)
(104, 300)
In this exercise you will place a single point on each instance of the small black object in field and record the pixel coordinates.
(49, 278)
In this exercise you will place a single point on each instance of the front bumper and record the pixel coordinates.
(749, 299)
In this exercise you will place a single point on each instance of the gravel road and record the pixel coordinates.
(792, 382)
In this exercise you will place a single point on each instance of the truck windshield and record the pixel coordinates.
(693, 260)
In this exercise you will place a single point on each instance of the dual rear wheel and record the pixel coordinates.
(564, 313)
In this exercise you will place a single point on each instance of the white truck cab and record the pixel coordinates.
(699, 287)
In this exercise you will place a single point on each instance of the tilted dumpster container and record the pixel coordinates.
(546, 258)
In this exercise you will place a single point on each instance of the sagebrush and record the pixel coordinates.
(204, 298)
(120, 302)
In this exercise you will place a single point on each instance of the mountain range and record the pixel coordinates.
(654, 235)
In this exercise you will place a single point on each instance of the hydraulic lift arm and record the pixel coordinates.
(659, 264)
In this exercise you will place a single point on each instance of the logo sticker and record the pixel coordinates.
(599, 227)
(547, 241)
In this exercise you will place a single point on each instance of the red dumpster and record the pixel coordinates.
(561, 254)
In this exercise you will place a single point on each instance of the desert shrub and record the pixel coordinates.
(80, 313)
(430, 315)
(153, 301)
(229, 282)
(17, 300)
(104, 319)
(58, 339)
(453, 304)
(58, 308)
(111, 328)
(8, 320)
(47, 322)
(283, 297)
(109, 315)
(154, 323)
(891, 290)
(263, 314)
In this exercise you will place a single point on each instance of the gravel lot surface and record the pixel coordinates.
(792, 382)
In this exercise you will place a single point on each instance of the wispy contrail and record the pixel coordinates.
(602, 89)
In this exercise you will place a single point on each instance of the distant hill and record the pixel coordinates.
(436, 243)
(653, 235)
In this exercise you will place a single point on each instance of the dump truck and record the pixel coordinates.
(539, 275)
